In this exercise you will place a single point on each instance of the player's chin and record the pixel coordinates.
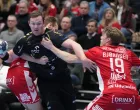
(36, 33)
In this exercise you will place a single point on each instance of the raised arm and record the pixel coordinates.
(79, 58)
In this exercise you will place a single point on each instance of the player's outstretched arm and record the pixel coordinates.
(69, 58)
(87, 63)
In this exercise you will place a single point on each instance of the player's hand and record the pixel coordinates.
(88, 64)
(47, 43)
(2, 55)
(43, 60)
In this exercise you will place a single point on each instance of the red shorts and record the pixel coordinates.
(20, 81)
(115, 102)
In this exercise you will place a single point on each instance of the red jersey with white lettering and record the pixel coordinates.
(20, 81)
(113, 68)
(118, 91)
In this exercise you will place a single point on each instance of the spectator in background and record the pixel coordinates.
(47, 8)
(31, 7)
(97, 8)
(12, 34)
(91, 39)
(135, 4)
(87, 41)
(68, 34)
(109, 19)
(70, 8)
(5, 10)
(79, 23)
(23, 17)
(124, 16)
(65, 29)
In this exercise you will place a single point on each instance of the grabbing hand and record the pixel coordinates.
(43, 60)
(2, 55)
(47, 43)
(90, 65)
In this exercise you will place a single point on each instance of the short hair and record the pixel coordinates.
(24, 1)
(84, 2)
(35, 14)
(12, 15)
(50, 19)
(92, 20)
(115, 34)
(67, 17)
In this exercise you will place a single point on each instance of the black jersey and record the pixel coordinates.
(55, 69)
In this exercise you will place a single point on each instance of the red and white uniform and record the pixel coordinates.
(118, 91)
(20, 81)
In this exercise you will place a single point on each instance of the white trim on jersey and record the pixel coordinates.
(90, 105)
(30, 85)
(26, 64)
(100, 80)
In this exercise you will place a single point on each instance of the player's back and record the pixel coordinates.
(114, 65)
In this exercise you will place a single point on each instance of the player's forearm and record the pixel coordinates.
(67, 57)
(78, 51)
(28, 58)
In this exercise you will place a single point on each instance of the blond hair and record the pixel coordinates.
(50, 19)
(104, 21)
(115, 35)
(2, 7)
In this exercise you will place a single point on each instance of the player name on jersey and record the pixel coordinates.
(115, 55)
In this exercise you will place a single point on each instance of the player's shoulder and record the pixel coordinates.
(95, 49)
(25, 37)
(28, 34)
(55, 34)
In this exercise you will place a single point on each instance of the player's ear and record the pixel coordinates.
(108, 39)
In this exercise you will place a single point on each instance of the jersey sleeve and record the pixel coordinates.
(135, 60)
(92, 54)
(19, 47)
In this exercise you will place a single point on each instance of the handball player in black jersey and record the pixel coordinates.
(54, 81)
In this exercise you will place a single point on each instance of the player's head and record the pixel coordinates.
(36, 23)
(51, 23)
(112, 36)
